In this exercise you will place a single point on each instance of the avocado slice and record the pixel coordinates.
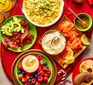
(16, 26)
(6, 31)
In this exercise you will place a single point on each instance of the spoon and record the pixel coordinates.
(84, 24)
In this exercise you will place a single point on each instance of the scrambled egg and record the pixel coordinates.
(42, 11)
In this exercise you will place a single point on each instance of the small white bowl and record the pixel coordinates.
(46, 25)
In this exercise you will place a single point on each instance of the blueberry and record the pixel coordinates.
(46, 66)
(23, 72)
(29, 80)
(36, 76)
(31, 77)
(19, 71)
(45, 63)
(37, 73)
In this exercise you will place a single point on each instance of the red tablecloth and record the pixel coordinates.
(8, 57)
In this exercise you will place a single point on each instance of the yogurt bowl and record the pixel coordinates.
(53, 42)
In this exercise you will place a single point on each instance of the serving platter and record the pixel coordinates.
(32, 31)
(45, 58)
(76, 69)
(8, 57)
(69, 34)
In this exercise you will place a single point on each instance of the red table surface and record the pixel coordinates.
(8, 57)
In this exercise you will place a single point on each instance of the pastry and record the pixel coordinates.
(86, 66)
(84, 78)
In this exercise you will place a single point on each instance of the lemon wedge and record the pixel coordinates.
(69, 57)
(85, 40)
(70, 60)
(70, 53)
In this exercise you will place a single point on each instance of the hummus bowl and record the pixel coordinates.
(53, 42)
(43, 13)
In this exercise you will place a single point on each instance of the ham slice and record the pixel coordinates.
(8, 42)
(23, 36)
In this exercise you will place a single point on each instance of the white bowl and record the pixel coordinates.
(45, 25)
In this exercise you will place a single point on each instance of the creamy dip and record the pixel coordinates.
(42, 11)
(53, 43)
(30, 63)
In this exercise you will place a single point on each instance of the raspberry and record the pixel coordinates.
(41, 73)
(39, 57)
(33, 80)
(45, 78)
(40, 78)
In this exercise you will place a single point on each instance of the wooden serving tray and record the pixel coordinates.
(77, 53)
(60, 58)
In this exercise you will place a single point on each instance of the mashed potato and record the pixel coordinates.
(42, 11)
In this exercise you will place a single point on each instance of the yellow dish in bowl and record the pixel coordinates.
(43, 13)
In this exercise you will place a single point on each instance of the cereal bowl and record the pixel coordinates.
(43, 13)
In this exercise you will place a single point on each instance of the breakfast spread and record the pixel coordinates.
(55, 44)
(86, 66)
(63, 42)
(84, 78)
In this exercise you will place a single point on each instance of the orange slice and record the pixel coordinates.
(1, 1)
(10, 6)
(1, 17)
(5, 6)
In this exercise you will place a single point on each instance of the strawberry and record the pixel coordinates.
(46, 74)
(40, 68)
(37, 83)
(48, 71)
(20, 76)
(27, 75)
(41, 62)
(20, 67)
(24, 80)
